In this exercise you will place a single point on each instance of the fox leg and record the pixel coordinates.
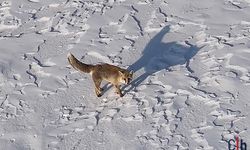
(101, 89)
(97, 82)
(118, 90)
(98, 90)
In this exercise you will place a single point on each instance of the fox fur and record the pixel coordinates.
(113, 74)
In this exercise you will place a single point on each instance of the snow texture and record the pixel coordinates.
(191, 86)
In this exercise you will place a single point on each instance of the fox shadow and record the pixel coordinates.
(158, 55)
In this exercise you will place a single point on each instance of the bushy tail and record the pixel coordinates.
(79, 65)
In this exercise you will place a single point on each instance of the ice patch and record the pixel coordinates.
(34, 1)
(49, 63)
(39, 70)
(43, 19)
(99, 56)
(6, 27)
(54, 5)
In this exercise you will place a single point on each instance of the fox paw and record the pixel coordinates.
(99, 95)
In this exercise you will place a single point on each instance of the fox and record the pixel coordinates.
(110, 73)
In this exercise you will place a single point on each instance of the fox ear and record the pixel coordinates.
(131, 72)
(121, 72)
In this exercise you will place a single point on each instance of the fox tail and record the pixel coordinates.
(75, 63)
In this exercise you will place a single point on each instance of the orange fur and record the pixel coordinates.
(113, 74)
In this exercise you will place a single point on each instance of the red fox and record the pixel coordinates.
(113, 74)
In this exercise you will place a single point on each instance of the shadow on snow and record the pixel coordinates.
(158, 55)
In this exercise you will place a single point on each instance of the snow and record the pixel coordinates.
(191, 82)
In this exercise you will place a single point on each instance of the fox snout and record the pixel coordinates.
(128, 81)
(127, 76)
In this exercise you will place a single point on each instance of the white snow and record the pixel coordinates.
(191, 86)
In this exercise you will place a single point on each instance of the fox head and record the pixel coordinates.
(126, 76)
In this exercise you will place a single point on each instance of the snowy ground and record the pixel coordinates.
(192, 74)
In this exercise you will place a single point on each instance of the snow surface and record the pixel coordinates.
(190, 91)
